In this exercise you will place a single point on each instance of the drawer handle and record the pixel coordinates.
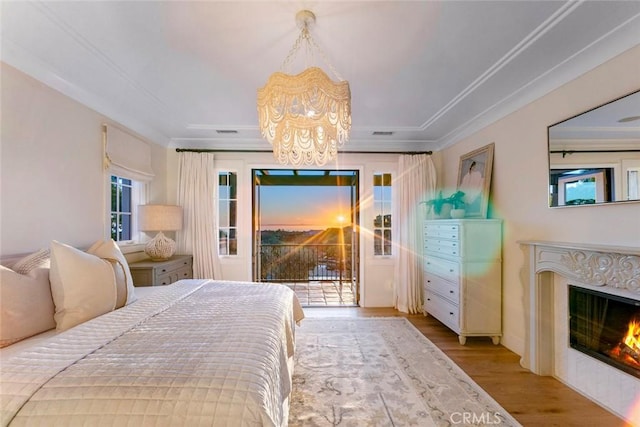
(451, 270)
(428, 299)
(451, 313)
(185, 263)
(185, 274)
(450, 292)
(164, 270)
(428, 281)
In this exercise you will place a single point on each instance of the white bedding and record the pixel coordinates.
(193, 353)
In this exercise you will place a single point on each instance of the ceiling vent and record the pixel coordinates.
(382, 133)
(226, 131)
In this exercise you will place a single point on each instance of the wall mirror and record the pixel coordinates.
(594, 157)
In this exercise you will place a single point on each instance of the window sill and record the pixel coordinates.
(131, 247)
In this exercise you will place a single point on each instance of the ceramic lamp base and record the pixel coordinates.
(160, 247)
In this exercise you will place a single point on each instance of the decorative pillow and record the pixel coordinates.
(83, 286)
(27, 305)
(110, 251)
(30, 262)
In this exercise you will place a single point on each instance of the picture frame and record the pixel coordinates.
(474, 179)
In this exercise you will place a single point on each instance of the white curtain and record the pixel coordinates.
(416, 183)
(197, 194)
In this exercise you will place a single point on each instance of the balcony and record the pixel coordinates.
(320, 274)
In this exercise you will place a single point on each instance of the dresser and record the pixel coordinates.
(463, 275)
(158, 273)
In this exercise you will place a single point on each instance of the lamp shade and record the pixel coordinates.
(159, 217)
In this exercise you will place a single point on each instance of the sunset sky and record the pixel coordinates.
(303, 208)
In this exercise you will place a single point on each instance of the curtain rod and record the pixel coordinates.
(566, 152)
(213, 150)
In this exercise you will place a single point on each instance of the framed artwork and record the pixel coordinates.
(474, 180)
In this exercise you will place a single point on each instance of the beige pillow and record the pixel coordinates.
(27, 306)
(31, 262)
(83, 286)
(110, 251)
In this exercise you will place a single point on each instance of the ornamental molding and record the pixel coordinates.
(591, 267)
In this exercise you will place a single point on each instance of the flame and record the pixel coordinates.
(629, 349)
(632, 339)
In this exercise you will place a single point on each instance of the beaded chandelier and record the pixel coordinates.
(307, 116)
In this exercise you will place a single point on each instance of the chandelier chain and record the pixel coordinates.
(306, 35)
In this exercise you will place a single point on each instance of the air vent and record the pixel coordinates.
(382, 133)
(226, 131)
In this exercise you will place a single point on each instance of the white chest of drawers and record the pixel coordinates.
(463, 275)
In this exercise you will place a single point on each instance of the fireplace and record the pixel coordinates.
(606, 327)
(595, 271)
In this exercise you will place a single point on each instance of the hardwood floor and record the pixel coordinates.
(533, 400)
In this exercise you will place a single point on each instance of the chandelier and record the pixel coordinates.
(305, 117)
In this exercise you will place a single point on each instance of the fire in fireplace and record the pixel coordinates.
(606, 327)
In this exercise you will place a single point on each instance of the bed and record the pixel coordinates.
(197, 352)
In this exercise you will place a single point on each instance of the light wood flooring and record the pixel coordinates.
(533, 400)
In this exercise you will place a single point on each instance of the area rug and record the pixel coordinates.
(382, 372)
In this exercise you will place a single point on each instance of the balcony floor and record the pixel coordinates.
(323, 294)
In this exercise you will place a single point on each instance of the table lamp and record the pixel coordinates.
(160, 218)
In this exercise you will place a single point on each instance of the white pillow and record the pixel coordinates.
(83, 286)
(39, 259)
(109, 250)
(27, 306)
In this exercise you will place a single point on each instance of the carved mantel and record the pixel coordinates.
(611, 269)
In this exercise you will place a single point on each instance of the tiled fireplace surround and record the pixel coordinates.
(549, 269)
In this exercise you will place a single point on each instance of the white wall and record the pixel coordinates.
(519, 188)
(52, 184)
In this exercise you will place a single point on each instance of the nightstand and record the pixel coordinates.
(158, 273)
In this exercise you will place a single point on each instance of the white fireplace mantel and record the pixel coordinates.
(611, 269)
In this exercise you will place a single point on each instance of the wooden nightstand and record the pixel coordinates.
(158, 273)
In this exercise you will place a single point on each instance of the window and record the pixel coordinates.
(382, 214)
(580, 187)
(227, 213)
(125, 195)
(121, 208)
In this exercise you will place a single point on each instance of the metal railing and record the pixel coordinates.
(305, 262)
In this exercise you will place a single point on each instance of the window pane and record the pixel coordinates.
(114, 226)
(125, 233)
(232, 213)
(223, 219)
(387, 242)
(377, 242)
(114, 196)
(223, 243)
(386, 179)
(223, 193)
(233, 185)
(233, 242)
(125, 199)
(223, 181)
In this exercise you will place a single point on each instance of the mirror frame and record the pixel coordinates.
(564, 152)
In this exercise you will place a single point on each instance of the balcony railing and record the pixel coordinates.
(305, 262)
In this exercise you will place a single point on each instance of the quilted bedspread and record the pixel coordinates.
(197, 352)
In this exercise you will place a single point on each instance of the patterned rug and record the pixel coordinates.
(382, 372)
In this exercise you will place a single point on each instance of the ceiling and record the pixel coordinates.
(430, 72)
